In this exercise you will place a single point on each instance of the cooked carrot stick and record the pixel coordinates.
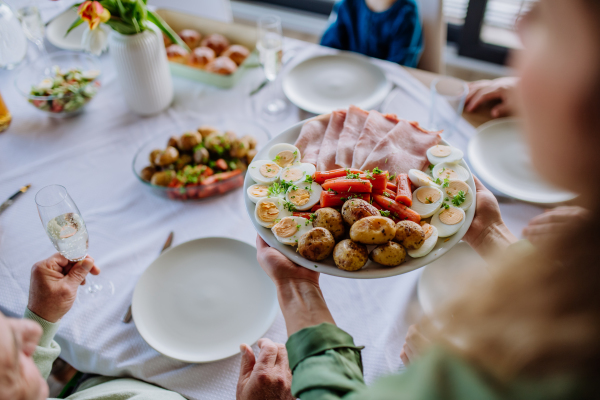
(403, 194)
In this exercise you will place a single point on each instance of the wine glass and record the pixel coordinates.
(270, 48)
(448, 97)
(33, 27)
(66, 229)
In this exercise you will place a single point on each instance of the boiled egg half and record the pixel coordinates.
(304, 195)
(297, 173)
(458, 194)
(290, 229)
(257, 192)
(269, 211)
(426, 200)
(431, 237)
(264, 171)
(440, 153)
(450, 171)
(448, 221)
(420, 178)
(284, 154)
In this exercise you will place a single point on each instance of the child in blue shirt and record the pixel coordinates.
(377, 29)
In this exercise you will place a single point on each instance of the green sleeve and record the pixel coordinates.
(47, 350)
(325, 362)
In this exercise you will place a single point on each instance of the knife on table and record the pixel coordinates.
(128, 316)
(12, 198)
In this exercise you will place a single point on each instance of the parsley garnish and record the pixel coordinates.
(437, 180)
(289, 206)
(429, 201)
(459, 198)
(298, 227)
(446, 182)
(308, 179)
(392, 177)
(386, 194)
(350, 175)
(446, 206)
(330, 190)
(384, 213)
(431, 167)
(377, 171)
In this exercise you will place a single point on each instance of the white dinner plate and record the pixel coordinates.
(499, 156)
(57, 28)
(199, 301)
(371, 269)
(444, 279)
(326, 83)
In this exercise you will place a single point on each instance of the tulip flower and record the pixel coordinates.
(94, 41)
(93, 13)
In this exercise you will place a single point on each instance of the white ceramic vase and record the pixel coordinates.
(142, 70)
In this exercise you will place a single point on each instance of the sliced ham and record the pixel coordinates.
(326, 159)
(402, 149)
(353, 126)
(310, 138)
(376, 127)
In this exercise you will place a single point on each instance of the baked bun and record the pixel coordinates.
(190, 37)
(237, 53)
(177, 53)
(201, 56)
(217, 42)
(222, 65)
(167, 41)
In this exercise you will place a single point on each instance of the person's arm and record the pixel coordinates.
(53, 290)
(488, 235)
(407, 44)
(325, 362)
(500, 90)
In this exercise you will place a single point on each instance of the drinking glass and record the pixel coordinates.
(33, 27)
(5, 117)
(13, 43)
(66, 229)
(270, 47)
(447, 102)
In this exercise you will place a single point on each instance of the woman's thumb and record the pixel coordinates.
(248, 361)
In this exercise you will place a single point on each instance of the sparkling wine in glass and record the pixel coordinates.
(270, 48)
(66, 229)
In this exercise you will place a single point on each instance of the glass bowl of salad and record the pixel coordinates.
(60, 84)
(203, 157)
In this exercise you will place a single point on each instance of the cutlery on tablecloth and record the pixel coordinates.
(128, 316)
(12, 198)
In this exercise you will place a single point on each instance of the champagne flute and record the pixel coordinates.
(66, 229)
(270, 47)
(33, 27)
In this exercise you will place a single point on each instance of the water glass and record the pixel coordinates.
(270, 47)
(447, 102)
(33, 27)
(5, 116)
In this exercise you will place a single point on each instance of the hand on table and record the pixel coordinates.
(551, 225)
(279, 268)
(54, 284)
(416, 343)
(487, 233)
(484, 91)
(266, 378)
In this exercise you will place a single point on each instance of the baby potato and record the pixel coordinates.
(206, 130)
(410, 234)
(331, 220)
(167, 157)
(373, 230)
(173, 142)
(390, 254)
(316, 244)
(146, 173)
(217, 143)
(251, 141)
(153, 154)
(239, 148)
(356, 209)
(163, 178)
(201, 156)
(189, 140)
(184, 159)
(250, 155)
(349, 255)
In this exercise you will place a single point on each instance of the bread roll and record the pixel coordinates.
(201, 56)
(217, 42)
(176, 53)
(237, 53)
(222, 65)
(190, 37)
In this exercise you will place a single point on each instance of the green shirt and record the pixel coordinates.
(99, 388)
(326, 365)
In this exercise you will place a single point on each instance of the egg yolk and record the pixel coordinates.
(267, 211)
(269, 170)
(456, 186)
(285, 228)
(447, 173)
(441, 151)
(259, 191)
(292, 174)
(428, 229)
(451, 216)
(428, 195)
(284, 158)
(299, 197)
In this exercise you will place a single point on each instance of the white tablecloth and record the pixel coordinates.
(91, 156)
